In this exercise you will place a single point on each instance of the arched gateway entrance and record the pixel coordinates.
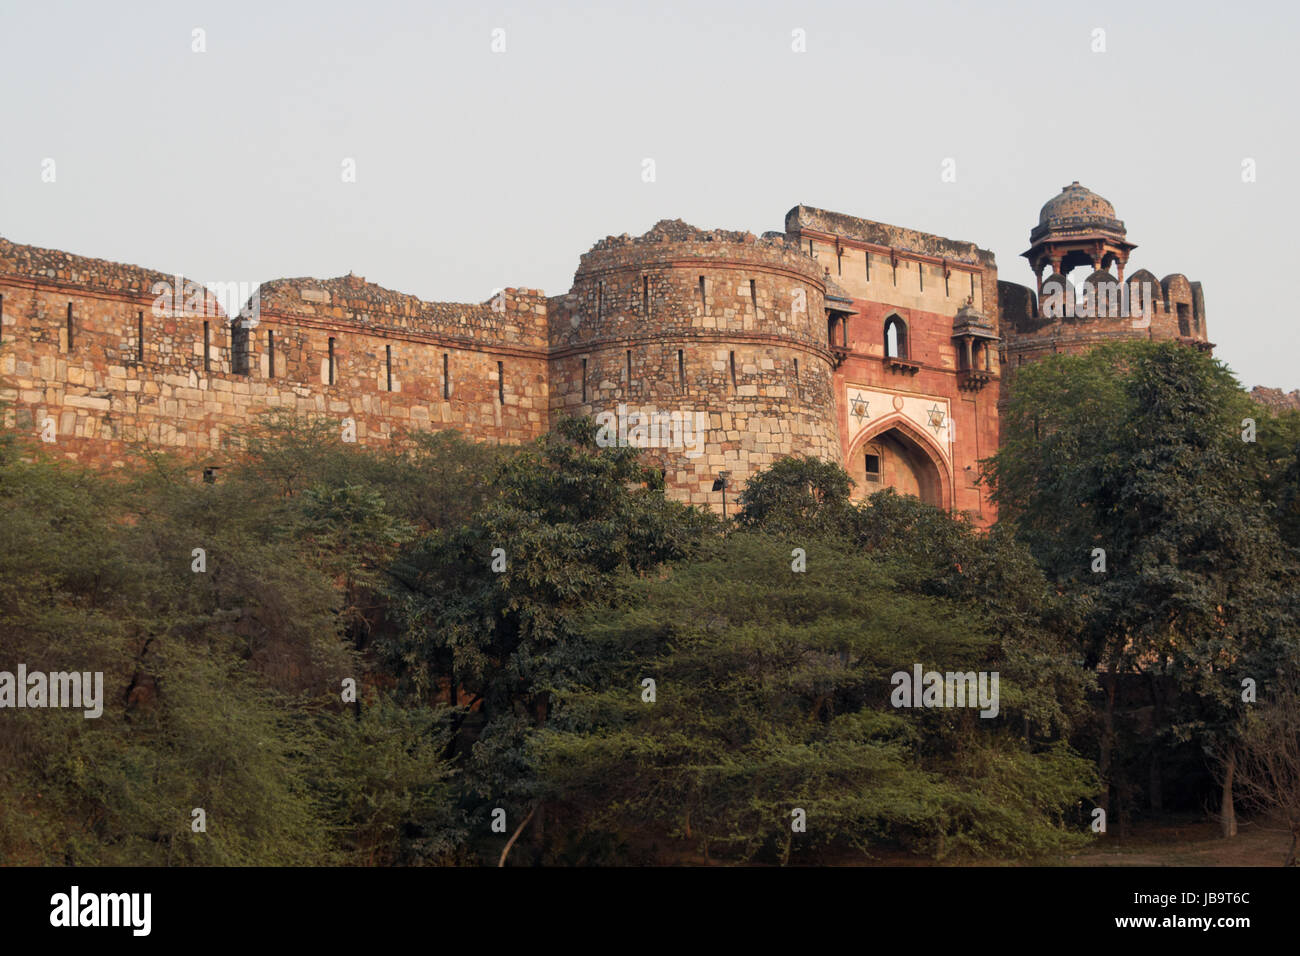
(895, 454)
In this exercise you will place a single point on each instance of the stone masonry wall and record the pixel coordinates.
(144, 370)
(1177, 313)
(683, 321)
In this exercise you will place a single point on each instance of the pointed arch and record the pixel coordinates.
(919, 458)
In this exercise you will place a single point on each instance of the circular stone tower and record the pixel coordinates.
(708, 350)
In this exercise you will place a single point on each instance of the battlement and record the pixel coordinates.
(875, 346)
(672, 230)
(101, 357)
(806, 219)
(1067, 318)
(55, 267)
(513, 318)
(670, 241)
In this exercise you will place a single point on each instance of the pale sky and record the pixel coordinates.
(478, 169)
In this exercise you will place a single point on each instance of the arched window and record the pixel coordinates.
(895, 338)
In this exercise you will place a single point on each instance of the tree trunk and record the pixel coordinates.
(1107, 746)
(515, 836)
(1155, 788)
(1227, 810)
(539, 830)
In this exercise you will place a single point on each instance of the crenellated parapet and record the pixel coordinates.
(725, 327)
(1079, 230)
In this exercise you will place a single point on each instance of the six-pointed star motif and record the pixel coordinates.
(860, 409)
(936, 417)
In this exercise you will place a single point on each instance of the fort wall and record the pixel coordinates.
(103, 357)
(1177, 312)
(721, 324)
(881, 348)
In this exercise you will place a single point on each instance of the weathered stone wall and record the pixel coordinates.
(1177, 313)
(684, 321)
(141, 368)
(775, 345)
(1275, 399)
(877, 262)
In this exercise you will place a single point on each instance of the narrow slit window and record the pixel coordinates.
(703, 301)
(681, 371)
(501, 383)
(584, 381)
(207, 354)
(733, 368)
(69, 326)
(972, 285)
(920, 274)
(388, 367)
(753, 295)
(867, 259)
(629, 370)
(331, 361)
(446, 376)
(239, 348)
(600, 298)
(139, 336)
(810, 249)
(270, 354)
(645, 295)
(796, 371)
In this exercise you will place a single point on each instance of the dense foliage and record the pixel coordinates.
(555, 663)
(1137, 476)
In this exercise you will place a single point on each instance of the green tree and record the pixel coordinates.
(1130, 458)
(218, 615)
(488, 606)
(772, 694)
(797, 494)
(1278, 464)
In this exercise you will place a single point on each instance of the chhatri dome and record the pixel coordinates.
(1076, 228)
(1077, 209)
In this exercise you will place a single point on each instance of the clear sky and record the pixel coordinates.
(477, 169)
